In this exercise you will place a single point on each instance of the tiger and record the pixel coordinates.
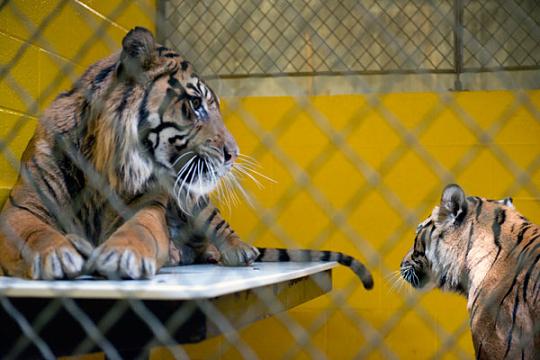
(107, 159)
(488, 252)
(116, 180)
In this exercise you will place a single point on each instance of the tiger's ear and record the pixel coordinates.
(507, 201)
(138, 53)
(453, 207)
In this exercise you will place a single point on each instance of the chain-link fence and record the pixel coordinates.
(361, 111)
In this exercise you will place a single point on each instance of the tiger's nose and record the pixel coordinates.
(229, 155)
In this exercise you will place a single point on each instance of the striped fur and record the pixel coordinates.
(207, 237)
(487, 251)
(137, 139)
(307, 255)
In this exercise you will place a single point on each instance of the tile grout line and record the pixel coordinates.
(101, 16)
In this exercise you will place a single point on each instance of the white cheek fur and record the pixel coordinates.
(202, 187)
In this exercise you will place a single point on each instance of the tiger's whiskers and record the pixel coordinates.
(231, 185)
(395, 281)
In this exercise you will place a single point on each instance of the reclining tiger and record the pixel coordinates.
(488, 252)
(117, 176)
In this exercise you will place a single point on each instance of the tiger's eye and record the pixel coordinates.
(196, 103)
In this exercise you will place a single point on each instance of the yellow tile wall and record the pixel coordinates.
(49, 63)
(363, 124)
(446, 139)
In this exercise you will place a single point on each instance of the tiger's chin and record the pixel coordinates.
(418, 279)
(202, 187)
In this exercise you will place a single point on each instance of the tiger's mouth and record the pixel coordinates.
(414, 274)
(198, 174)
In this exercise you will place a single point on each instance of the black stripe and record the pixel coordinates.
(192, 87)
(479, 351)
(345, 260)
(283, 255)
(166, 125)
(154, 203)
(473, 306)
(442, 280)
(41, 173)
(524, 227)
(123, 102)
(500, 218)
(262, 251)
(174, 83)
(143, 111)
(529, 243)
(72, 176)
(511, 331)
(325, 255)
(528, 276)
(170, 94)
(174, 138)
(184, 65)
(65, 94)
(218, 226)
(102, 75)
(478, 208)
(514, 281)
(161, 49)
(212, 216)
(437, 241)
(180, 148)
(470, 241)
(461, 290)
(22, 207)
(536, 288)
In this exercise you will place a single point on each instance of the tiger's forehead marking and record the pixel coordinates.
(423, 224)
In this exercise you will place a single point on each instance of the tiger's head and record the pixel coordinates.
(164, 121)
(459, 232)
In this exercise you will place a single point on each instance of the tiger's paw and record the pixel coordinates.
(118, 261)
(83, 246)
(211, 255)
(238, 254)
(59, 260)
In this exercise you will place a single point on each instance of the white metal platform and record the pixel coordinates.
(207, 296)
(172, 283)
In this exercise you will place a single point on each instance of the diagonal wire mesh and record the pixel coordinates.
(350, 106)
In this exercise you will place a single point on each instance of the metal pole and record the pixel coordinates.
(458, 43)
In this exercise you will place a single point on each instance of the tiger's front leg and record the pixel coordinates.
(137, 249)
(31, 248)
(233, 251)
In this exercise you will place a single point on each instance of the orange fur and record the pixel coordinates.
(488, 252)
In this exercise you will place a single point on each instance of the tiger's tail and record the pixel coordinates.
(307, 255)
